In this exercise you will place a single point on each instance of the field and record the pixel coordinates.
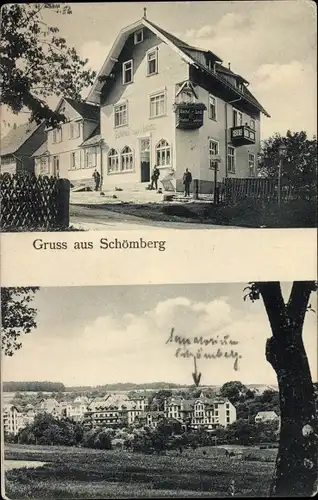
(85, 473)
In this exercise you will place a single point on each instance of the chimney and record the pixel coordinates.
(145, 13)
(229, 64)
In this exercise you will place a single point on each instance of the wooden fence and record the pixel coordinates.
(33, 203)
(258, 190)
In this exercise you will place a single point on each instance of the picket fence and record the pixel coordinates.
(33, 203)
(257, 190)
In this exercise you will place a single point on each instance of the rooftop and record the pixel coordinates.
(17, 136)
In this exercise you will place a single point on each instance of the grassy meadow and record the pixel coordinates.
(87, 473)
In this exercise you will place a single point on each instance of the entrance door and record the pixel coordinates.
(144, 148)
(56, 166)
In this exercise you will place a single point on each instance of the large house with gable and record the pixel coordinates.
(164, 102)
(203, 412)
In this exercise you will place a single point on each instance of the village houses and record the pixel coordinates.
(156, 101)
(122, 410)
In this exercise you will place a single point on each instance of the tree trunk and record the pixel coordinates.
(297, 458)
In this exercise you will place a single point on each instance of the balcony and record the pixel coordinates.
(189, 116)
(242, 135)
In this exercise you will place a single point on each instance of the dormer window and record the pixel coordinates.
(138, 36)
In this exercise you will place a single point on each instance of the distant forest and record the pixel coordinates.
(33, 386)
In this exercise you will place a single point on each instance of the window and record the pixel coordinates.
(57, 135)
(128, 72)
(212, 108)
(90, 157)
(113, 161)
(121, 115)
(237, 118)
(251, 164)
(163, 153)
(74, 130)
(127, 159)
(186, 96)
(44, 166)
(213, 150)
(157, 105)
(138, 36)
(231, 159)
(73, 161)
(252, 124)
(152, 62)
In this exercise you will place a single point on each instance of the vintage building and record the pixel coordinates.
(72, 150)
(115, 411)
(167, 103)
(12, 419)
(266, 416)
(203, 412)
(18, 146)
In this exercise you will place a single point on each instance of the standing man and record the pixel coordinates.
(155, 177)
(96, 177)
(187, 179)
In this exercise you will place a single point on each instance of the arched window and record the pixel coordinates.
(127, 159)
(163, 153)
(113, 161)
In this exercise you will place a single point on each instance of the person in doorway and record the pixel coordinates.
(96, 177)
(155, 177)
(187, 179)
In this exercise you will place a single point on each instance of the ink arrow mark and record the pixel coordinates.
(196, 376)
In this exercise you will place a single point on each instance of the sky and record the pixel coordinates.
(271, 43)
(109, 334)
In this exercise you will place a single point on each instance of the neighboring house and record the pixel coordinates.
(73, 149)
(12, 419)
(18, 146)
(208, 413)
(51, 406)
(152, 94)
(266, 416)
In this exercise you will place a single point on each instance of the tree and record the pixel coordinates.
(18, 317)
(299, 166)
(297, 458)
(36, 62)
(233, 390)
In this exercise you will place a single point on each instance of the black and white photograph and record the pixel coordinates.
(160, 391)
(165, 114)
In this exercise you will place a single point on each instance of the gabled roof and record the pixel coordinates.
(186, 51)
(94, 138)
(42, 150)
(267, 414)
(13, 141)
(86, 110)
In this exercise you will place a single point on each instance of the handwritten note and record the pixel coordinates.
(214, 347)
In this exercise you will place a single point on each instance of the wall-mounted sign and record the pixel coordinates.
(136, 131)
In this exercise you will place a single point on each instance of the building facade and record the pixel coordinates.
(73, 149)
(12, 419)
(166, 103)
(207, 413)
